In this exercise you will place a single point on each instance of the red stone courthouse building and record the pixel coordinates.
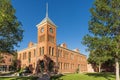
(6, 62)
(67, 60)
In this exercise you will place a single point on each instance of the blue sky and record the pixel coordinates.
(70, 16)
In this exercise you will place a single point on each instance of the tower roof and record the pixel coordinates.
(46, 19)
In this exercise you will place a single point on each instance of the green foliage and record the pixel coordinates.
(88, 76)
(10, 28)
(47, 64)
(21, 70)
(103, 42)
(1, 59)
(50, 66)
(104, 27)
(42, 66)
(14, 62)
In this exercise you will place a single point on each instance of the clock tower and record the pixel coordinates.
(46, 37)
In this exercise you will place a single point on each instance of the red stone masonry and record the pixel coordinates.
(68, 60)
(6, 61)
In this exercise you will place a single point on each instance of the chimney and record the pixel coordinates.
(30, 44)
(63, 45)
(76, 50)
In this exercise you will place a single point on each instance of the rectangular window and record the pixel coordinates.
(20, 57)
(10, 60)
(23, 56)
(61, 65)
(52, 51)
(72, 56)
(34, 65)
(34, 52)
(73, 66)
(66, 55)
(58, 53)
(64, 65)
(67, 65)
(49, 50)
(78, 66)
(40, 50)
(29, 57)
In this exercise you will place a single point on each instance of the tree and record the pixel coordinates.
(45, 65)
(97, 57)
(49, 64)
(104, 28)
(16, 64)
(98, 47)
(40, 66)
(10, 28)
(1, 59)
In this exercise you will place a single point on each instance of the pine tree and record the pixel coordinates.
(10, 28)
(104, 28)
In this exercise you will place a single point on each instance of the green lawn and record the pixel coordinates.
(87, 76)
(18, 78)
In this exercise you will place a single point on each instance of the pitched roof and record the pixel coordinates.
(46, 20)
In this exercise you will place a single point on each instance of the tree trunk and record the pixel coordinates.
(99, 67)
(117, 68)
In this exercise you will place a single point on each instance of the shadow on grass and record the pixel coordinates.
(18, 78)
(4, 74)
(107, 76)
(26, 78)
(56, 77)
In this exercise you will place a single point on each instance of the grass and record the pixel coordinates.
(6, 73)
(18, 78)
(87, 76)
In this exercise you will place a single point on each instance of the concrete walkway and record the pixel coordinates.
(44, 77)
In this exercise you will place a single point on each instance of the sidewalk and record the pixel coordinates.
(44, 77)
